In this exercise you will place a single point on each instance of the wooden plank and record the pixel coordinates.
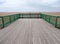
(30, 31)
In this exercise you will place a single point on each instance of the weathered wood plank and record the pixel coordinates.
(30, 31)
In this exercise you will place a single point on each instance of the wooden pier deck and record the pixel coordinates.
(30, 31)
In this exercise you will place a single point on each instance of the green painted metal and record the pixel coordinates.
(6, 20)
(10, 18)
(3, 22)
(29, 15)
(51, 19)
(58, 22)
(1, 25)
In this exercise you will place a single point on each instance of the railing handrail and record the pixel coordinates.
(12, 18)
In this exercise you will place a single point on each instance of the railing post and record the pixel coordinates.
(18, 16)
(14, 17)
(56, 22)
(49, 19)
(3, 22)
(10, 18)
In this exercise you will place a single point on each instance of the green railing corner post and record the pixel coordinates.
(3, 22)
(40, 16)
(18, 16)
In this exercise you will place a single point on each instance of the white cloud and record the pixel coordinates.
(13, 3)
(26, 5)
(48, 1)
(43, 2)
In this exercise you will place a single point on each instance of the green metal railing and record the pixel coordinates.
(29, 15)
(1, 24)
(54, 20)
(6, 20)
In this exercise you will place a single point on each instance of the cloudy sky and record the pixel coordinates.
(29, 5)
